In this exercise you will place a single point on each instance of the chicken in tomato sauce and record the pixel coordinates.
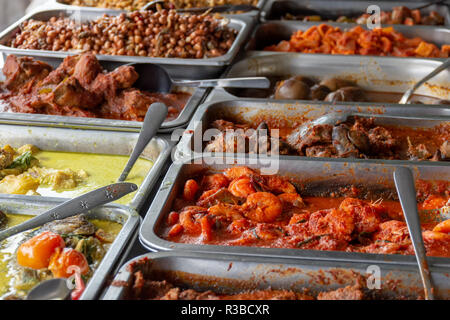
(241, 207)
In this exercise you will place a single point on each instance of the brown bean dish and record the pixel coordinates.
(141, 33)
(328, 89)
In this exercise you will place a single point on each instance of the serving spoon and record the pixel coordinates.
(74, 206)
(407, 95)
(404, 183)
(155, 78)
(152, 5)
(156, 114)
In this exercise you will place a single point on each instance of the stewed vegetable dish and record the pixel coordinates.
(357, 137)
(241, 207)
(30, 171)
(80, 87)
(72, 247)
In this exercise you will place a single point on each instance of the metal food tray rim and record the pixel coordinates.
(183, 150)
(115, 292)
(245, 29)
(112, 256)
(265, 11)
(153, 242)
(150, 179)
(197, 97)
(58, 4)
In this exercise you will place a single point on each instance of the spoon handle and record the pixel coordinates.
(74, 206)
(404, 182)
(247, 82)
(433, 73)
(155, 115)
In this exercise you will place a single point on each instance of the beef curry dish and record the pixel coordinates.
(357, 137)
(80, 87)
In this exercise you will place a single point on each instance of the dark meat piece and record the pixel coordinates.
(130, 104)
(76, 225)
(319, 92)
(381, 140)
(342, 144)
(445, 150)
(87, 69)
(433, 19)
(70, 93)
(121, 78)
(347, 293)
(3, 219)
(320, 151)
(65, 70)
(319, 134)
(346, 94)
(360, 140)
(418, 152)
(20, 71)
(399, 14)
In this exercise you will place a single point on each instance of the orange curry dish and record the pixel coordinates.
(79, 87)
(241, 207)
(378, 42)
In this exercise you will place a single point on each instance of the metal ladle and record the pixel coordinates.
(154, 78)
(404, 183)
(156, 114)
(409, 93)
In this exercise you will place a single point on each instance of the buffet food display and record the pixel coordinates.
(73, 101)
(79, 87)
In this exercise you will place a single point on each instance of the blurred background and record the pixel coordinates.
(11, 10)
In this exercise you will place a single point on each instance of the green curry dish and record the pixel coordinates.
(24, 161)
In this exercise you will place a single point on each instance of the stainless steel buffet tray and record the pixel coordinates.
(276, 9)
(252, 111)
(197, 96)
(331, 172)
(128, 217)
(177, 67)
(273, 32)
(233, 273)
(380, 74)
(62, 4)
(91, 141)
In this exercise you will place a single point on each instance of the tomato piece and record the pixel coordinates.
(68, 261)
(37, 251)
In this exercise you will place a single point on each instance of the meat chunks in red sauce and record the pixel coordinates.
(80, 87)
(19, 71)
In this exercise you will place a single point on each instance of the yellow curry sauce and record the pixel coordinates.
(102, 169)
(8, 248)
